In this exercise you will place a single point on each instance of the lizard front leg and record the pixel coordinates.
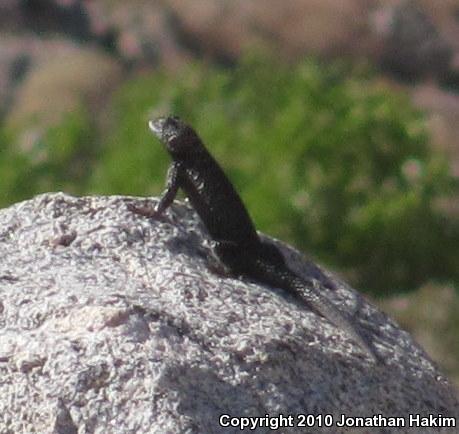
(167, 197)
(172, 186)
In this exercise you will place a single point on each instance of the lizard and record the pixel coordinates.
(235, 240)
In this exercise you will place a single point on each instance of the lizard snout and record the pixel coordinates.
(157, 126)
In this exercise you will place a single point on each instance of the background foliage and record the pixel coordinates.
(325, 158)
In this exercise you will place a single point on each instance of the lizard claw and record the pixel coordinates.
(147, 211)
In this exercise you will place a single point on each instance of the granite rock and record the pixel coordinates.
(112, 322)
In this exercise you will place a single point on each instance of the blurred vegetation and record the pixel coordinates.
(59, 158)
(324, 157)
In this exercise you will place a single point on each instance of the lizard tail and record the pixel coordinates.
(307, 293)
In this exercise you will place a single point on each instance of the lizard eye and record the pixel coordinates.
(166, 128)
(175, 134)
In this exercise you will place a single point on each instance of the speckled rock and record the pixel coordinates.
(111, 322)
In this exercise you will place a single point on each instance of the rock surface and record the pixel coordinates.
(292, 27)
(61, 85)
(111, 322)
(413, 46)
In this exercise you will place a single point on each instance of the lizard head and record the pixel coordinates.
(177, 137)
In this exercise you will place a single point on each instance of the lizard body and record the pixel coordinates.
(236, 242)
(210, 192)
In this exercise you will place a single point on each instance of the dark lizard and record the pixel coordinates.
(234, 237)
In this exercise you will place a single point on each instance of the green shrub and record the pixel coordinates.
(323, 156)
(35, 161)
